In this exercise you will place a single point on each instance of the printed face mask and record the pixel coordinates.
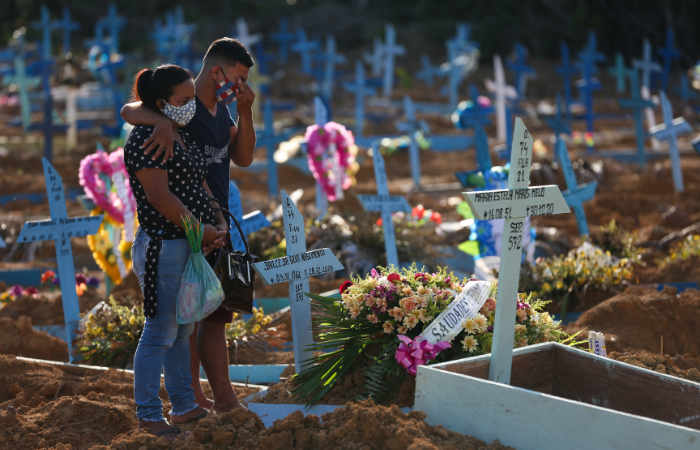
(180, 114)
(226, 90)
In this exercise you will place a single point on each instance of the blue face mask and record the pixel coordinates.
(226, 90)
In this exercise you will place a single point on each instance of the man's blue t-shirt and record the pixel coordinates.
(212, 136)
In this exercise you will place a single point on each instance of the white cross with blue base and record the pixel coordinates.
(250, 223)
(514, 205)
(296, 268)
(386, 204)
(61, 229)
(668, 131)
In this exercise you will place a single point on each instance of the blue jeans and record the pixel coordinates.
(164, 345)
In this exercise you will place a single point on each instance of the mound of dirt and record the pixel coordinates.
(637, 319)
(30, 383)
(74, 423)
(252, 356)
(47, 309)
(18, 337)
(662, 364)
(357, 426)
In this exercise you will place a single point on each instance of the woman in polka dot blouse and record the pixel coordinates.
(164, 192)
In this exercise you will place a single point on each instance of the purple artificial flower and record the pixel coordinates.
(93, 282)
(80, 279)
(16, 290)
(56, 282)
(522, 305)
(489, 328)
(374, 273)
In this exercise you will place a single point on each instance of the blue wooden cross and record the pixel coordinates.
(668, 131)
(683, 90)
(386, 204)
(453, 68)
(161, 36)
(67, 26)
(389, 50)
(320, 119)
(620, 72)
(60, 229)
(22, 82)
(360, 88)
(556, 123)
(46, 26)
(330, 58)
(588, 84)
(668, 54)
(284, 38)
(566, 70)
(250, 223)
(270, 140)
(99, 40)
(646, 65)
(637, 104)
(576, 194)
(374, 59)
(591, 52)
(522, 70)
(262, 58)
(47, 126)
(306, 50)
(410, 126)
(428, 71)
(113, 22)
(461, 40)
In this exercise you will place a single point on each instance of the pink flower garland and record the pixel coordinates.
(318, 141)
(102, 163)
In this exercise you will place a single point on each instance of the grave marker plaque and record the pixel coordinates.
(296, 268)
(61, 229)
(514, 205)
(386, 204)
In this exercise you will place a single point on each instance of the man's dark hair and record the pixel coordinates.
(227, 52)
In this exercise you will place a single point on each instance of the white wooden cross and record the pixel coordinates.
(503, 92)
(668, 131)
(389, 50)
(386, 204)
(296, 268)
(60, 229)
(514, 205)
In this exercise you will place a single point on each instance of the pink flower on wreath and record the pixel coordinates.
(318, 140)
(408, 303)
(372, 318)
(396, 312)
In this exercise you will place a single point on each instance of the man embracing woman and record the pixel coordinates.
(178, 157)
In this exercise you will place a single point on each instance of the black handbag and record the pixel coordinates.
(235, 272)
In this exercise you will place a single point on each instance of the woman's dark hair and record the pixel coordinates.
(153, 85)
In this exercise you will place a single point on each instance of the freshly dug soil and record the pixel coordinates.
(18, 337)
(688, 270)
(250, 356)
(349, 387)
(358, 426)
(637, 319)
(30, 383)
(662, 364)
(47, 309)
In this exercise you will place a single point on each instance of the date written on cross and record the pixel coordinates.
(510, 203)
(45, 230)
(298, 266)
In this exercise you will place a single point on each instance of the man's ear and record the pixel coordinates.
(160, 104)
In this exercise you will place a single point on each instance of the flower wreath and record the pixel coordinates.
(318, 142)
(109, 164)
(102, 248)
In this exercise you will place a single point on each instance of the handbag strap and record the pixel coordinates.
(240, 230)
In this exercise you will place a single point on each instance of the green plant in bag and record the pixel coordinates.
(200, 290)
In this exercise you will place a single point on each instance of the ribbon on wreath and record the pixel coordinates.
(413, 353)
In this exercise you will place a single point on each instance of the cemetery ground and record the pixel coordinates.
(643, 205)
